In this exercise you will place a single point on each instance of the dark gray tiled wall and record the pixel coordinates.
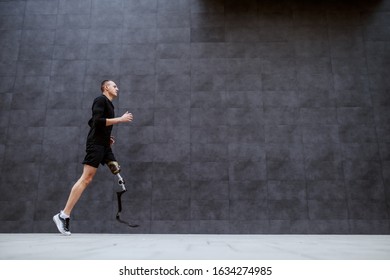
(252, 116)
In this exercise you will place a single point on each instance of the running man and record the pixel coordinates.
(98, 148)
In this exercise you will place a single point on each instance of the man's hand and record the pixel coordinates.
(112, 140)
(127, 117)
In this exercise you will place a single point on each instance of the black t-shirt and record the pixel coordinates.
(99, 133)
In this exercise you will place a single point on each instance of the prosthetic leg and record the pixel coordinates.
(115, 169)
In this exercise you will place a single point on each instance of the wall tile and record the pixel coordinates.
(286, 190)
(168, 134)
(41, 22)
(43, 7)
(209, 171)
(320, 133)
(283, 134)
(173, 82)
(274, 99)
(173, 35)
(10, 42)
(169, 117)
(171, 210)
(214, 190)
(171, 171)
(169, 99)
(281, 115)
(210, 226)
(208, 34)
(174, 5)
(26, 119)
(171, 227)
(171, 152)
(357, 134)
(246, 152)
(366, 189)
(138, 51)
(209, 209)
(248, 190)
(246, 134)
(172, 67)
(285, 170)
(107, 20)
(244, 210)
(287, 209)
(365, 210)
(323, 170)
(74, 6)
(247, 170)
(284, 151)
(362, 170)
(22, 211)
(208, 50)
(326, 190)
(209, 152)
(73, 22)
(243, 99)
(334, 210)
(171, 190)
(12, 7)
(370, 226)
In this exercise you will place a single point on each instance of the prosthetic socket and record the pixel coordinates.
(115, 169)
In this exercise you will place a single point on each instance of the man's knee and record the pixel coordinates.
(88, 174)
(114, 167)
(88, 179)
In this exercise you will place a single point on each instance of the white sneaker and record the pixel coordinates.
(62, 224)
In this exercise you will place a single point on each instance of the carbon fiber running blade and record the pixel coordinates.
(118, 218)
(126, 223)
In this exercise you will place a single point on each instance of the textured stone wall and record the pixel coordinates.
(249, 116)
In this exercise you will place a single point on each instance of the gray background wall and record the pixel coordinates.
(250, 116)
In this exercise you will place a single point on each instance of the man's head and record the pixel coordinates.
(109, 89)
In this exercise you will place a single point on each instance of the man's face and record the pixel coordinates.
(112, 89)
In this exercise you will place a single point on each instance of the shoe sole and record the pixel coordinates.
(59, 225)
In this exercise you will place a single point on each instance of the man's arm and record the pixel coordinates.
(126, 117)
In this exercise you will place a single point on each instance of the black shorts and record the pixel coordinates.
(97, 154)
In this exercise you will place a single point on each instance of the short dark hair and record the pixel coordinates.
(103, 84)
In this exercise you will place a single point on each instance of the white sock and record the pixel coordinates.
(63, 215)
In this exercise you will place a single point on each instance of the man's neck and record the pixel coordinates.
(108, 96)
